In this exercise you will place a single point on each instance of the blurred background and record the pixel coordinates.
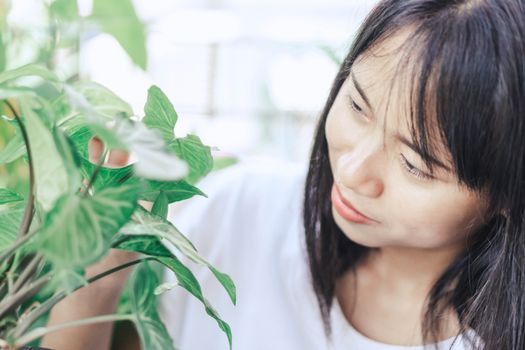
(248, 77)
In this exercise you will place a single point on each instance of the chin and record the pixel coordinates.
(356, 232)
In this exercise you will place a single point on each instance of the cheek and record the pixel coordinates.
(435, 220)
(337, 130)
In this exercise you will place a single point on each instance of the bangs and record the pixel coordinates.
(463, 67)
(453, 77)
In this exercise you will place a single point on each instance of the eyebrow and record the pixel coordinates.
(416, 149)
(360, 90)
(398, 136)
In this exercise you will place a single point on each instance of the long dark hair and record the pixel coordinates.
(469, 56)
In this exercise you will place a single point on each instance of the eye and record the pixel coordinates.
(413, 170)
(354, 105)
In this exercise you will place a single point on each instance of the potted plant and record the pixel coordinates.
(71, 212)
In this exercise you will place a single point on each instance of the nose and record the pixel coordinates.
(360, 170)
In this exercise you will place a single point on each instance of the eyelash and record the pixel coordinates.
(413, 170)
(409, 167)
(354, 105)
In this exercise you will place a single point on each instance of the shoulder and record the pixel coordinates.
(250, 188)
(252, 201)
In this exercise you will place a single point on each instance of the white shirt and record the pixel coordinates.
(250, 227)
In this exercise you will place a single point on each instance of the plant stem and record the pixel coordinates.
(28, 272)
(48, 304)
(122, 239)
(28, 213)
(23, 294)
(41, 331)
(17, 243)
(117, 268)
(67, 118)
(96, 171)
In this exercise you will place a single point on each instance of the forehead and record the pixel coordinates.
(386, 74)
(381, 72)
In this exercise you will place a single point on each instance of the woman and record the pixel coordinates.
(413, 205)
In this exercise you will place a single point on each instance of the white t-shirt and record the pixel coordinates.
(250, 227)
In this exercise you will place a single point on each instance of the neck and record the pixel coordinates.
(411, 269)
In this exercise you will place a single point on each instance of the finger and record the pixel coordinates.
(117, 158)
(146, 205)
(95, 149)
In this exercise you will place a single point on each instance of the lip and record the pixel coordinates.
(346, 210)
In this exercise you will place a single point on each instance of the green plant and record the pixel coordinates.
(75, 211)
(59, 213)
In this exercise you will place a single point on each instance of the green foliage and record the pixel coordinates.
(220, 163)
(187, 280)
(13, 150)
(198, 156)
(10, 217)
(29, 70)
(78, 229)
(118, 18)
(49, 166)
(160, 206)
(7, 196)
(60, 213)
(160, 114)
(153, 334)
(65, 10)
(150, 224)
(152, 246)
(174, 191)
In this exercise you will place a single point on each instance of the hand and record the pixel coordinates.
(115, 257)
(115, 159)
(100, 297)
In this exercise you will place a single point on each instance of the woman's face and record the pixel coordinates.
(381, 176)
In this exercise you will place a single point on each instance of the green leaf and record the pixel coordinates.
(220, 163)
(16, 91)
(108, 177)
(152, 332)
(80, 137)
(67, 279)
(152, 246)
(108, 136)
(146, 223)
(49, 167)
(10, 219)
(118, 18)
(79, 229)
(29, 70)
(196, 154)
(164, 287)
(14, 149)
(174, 190)
(145, 244)
(8, 196)
(160, 114)
(103, 100)
(87, 101)
(160, 206)
(70, 158)
(187, 280)
(3, 56)
(149, 224)
(226, 282)
(64, 9)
